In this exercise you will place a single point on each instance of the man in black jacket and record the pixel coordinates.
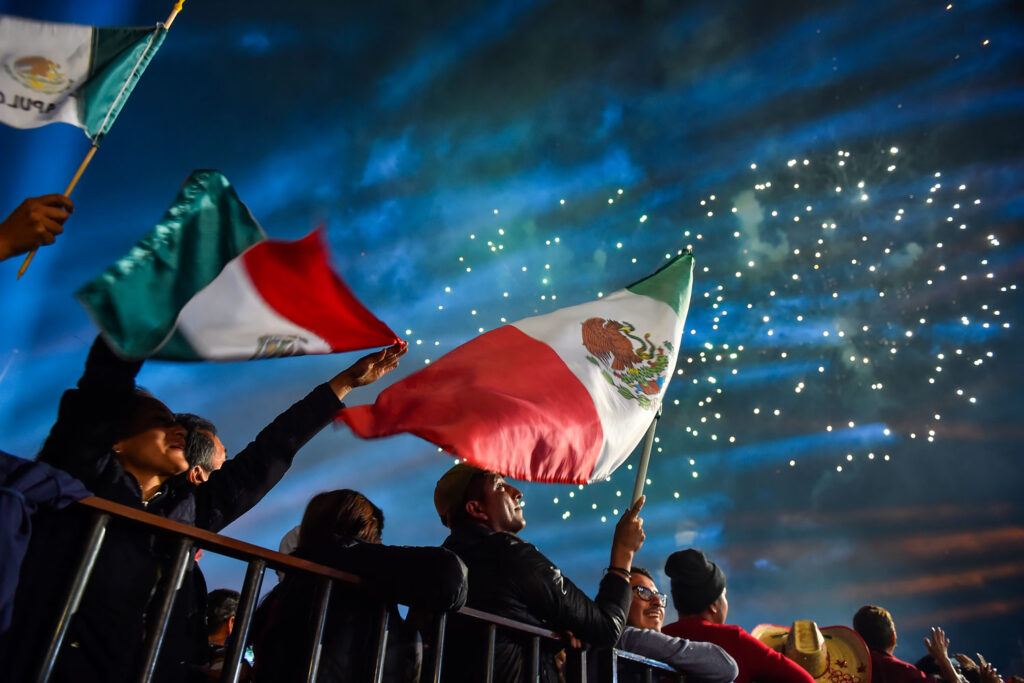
(511, 578)
(125, 446)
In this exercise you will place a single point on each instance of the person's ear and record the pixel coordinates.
(476, 510)
(231, 624)
(196, 475)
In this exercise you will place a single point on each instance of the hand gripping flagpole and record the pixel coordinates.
(92, 151)
(645, 459)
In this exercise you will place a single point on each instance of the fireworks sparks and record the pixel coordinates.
(841, 309)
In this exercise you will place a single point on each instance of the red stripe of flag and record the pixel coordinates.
(296, 280)
(504, 401)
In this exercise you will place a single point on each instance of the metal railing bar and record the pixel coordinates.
(158, 628)
(535, 659)
(442, 620)
(323, 599)
(575, 664)
(267, 558)
(509, 623)
(243, 620)
(382, 645)
(97, 532)
(492, 632)
(223, 545)
(634, 657)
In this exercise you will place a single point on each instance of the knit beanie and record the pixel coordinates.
(696, 581)
(450, 491)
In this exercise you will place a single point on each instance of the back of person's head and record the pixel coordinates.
(221, 605)
(199, 445)
(457, 486)
(342, 512)
(875, 626)
(697, 582)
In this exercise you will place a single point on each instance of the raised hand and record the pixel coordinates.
(938, 644)
(629, 536)
(368, 369)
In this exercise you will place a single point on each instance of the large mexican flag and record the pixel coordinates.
(206, 283)
(562, 397)
(68, 73)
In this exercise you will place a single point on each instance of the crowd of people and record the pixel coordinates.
(126, 445)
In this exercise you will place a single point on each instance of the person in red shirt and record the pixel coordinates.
(876, 627)
(698, 593)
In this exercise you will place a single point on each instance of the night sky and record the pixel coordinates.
(845, 423)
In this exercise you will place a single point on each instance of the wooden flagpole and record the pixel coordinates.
(92, 151)
(67, 193)
(645, 459)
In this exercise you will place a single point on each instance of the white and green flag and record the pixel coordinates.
(67, 73)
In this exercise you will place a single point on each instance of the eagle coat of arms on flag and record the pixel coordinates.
(635, 371)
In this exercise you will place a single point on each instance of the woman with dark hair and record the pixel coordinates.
(342, 529)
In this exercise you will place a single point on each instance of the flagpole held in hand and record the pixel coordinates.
(92, 150)
(645, 459)
(67, 193)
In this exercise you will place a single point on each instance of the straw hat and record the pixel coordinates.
(835, 654)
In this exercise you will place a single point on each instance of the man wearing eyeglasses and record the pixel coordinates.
(701, 662)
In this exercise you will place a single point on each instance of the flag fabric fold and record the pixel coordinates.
(205, 283)
(81, 75)
(562, 397)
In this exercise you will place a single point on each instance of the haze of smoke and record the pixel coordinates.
(906, 256)
(751, 217)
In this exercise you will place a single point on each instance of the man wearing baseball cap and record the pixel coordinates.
(698, 593)
(511, 578)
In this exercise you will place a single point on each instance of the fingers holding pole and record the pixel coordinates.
(67, 193)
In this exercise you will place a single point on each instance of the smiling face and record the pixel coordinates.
(154, 444)
(643, 613)
(499, 508)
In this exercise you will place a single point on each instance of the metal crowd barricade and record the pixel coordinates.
(258, 560)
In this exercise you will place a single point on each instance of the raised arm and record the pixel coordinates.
(938, 648)
(89, 414)
(245, 479)
(566, 608)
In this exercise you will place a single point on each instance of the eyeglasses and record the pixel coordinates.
(646, 594)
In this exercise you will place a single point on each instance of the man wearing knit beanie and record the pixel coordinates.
(698, 593)
(511, 578)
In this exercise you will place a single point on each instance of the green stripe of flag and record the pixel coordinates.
(136, 301)
(119, 56)
(672, 283)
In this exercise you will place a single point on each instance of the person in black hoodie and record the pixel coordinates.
(342, 529)
(125, 445)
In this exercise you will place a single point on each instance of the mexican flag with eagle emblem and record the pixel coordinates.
(562, 397)
(67, 73)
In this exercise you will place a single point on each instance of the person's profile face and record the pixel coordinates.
(155, 442)
(502, 505)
